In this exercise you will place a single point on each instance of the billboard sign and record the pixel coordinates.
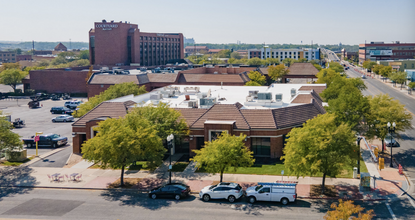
(380, 53)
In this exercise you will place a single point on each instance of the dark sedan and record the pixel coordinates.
(175, 190)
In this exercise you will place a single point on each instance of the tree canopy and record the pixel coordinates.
(327, 76)
(12, 77)
(345, 210)
(255, 61)
(320, 146)
(122, 141)
(336, 67)
(384, 109)
(398, 77)
(114, 91)
(367, 64)
(8, 139)
(257, 79)
(224, 152)
(165, 119)
(276, 72)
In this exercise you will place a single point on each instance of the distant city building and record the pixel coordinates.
(213, 51)
(60, 47)
(192, 49)
(7, 57)
(266, 52)
(375, 51)
(42, 52)
(347, 54)
(189, 41)
(23, 57)
(399, 65)
(118, 43)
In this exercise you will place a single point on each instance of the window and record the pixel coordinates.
(214, 135)
(261, 146)
(265, 190)
(412, 65)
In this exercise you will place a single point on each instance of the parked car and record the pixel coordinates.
(40, 96)
(363, 77)
(63, 118)
(73, 104)
(66, 96)
(388, 142)
(229, 191)
(55, 97)
(272, 192)
(61, 110)
(175, 190)
(18, 123)
(48, 140)
(34, 104)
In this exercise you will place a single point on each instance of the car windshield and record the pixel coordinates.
(213, 186)
(258, 187)
(54, 136)
(388, 137)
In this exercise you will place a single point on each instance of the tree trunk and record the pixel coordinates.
(382, 145)
(221, 176)
(122, 175)
(323, 185)
(13, 87)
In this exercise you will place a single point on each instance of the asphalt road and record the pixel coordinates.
(39, 120)
(405, 154)
(26, 203)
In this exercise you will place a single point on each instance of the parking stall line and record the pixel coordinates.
(390, 211)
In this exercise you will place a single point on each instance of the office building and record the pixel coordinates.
(7, 57)
(375, 51)
(122, 43)
(266, 52)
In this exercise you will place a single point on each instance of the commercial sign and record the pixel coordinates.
(380, 53)
(106, 27)
(395, 63)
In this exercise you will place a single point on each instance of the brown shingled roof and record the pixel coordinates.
(259, 118)
(191, 114)
(295, 115)
(302, 69)
(159, 77)
(60, 47)
(303, 98)
(319, 89)
(222, 112)
(211, 78)
(105, 109)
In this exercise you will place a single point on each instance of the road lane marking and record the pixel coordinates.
(411, 200)
(390, 211)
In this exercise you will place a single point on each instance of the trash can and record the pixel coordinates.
(354, 172)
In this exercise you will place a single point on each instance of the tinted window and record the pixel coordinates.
(54, 136)
(219, 189)
(165, 189)
(180, 187)
(265, 190)
(238, 187)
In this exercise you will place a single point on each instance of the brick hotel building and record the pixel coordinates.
(118, 43)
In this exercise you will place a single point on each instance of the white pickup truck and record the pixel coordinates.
(272, 192)
(72, 104)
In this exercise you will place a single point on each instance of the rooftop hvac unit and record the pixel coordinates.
(249, 99)
(215, 72)
(265, 96)
(293, 92)
(156, 96)
(192, 104)
(143, 69)
(202, 95)
(254, 93)
(208, 101)
(278, 97)
(104, 69)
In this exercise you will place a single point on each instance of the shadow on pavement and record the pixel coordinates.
(15, 176)
(141, 199)
(256, 208)
(406, 158)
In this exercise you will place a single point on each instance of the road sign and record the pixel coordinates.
(36, 138)
(282, 172)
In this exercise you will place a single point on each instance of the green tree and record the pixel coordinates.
(225, 152)
(276, 72)
(384, 109)
(288, 61)
(336, 67)
(236, 55)
(114, 91)
(165, 119)
(345, 210)
(252, 83)
(120, 142)
(376, 69)
(9, 140)
(302, 60)
(385, 71)
(320, 146)
(411, 85)
(327, 76)
(398, 77)
(272, 61)
(336, 86)
(255, 61)
(43, 63)
(84, 54)
(224, 54)
(12, 77)
(6, 66)
(367, 64)
(59, 60)
(318, 67)
(257, 78)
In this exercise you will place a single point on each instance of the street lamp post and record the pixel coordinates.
(391, 130)
(170, 139)
(358, 155)
(37, 140)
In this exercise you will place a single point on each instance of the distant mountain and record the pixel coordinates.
(25, 46)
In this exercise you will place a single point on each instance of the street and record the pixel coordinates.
(112, 204)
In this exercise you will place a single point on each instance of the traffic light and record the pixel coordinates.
(381, 163)
(376, 152)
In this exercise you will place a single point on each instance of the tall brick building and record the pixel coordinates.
(118, 43)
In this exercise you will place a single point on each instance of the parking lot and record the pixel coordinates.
(37, 120)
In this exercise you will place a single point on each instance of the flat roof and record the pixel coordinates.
(189, 96)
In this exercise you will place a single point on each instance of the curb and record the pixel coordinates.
(43, 156)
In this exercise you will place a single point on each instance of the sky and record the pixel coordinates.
(216, 21)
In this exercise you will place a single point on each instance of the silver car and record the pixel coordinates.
(387, 141)
(63, 118)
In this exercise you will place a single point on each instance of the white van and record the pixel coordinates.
(272, 192)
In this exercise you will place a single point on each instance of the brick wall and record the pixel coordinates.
(58, 81)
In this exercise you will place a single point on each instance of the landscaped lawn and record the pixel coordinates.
(140, 165)
(276, 168)
(179, 166)
(8, 163)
